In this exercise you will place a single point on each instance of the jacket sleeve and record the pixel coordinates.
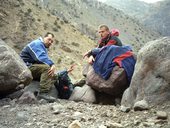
(95, 51)
(39, 54)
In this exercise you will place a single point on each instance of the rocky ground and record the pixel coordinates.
(63, 113)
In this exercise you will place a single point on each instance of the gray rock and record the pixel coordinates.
(22, 116)
(102, 126)
(115, 85)
(86, 69)
(151, 78)
(34, 87)
(77, 115)
(162, 115)
(57, 109)
(75, 124)
(85, 93)
(27, 98)
(124, 109)
(13, 70)
(141, 105)
(115, 125)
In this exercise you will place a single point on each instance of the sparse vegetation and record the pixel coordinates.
(59, 61)
(45, 26)
(66, 48)
(55, 29)
(66, 21)
(56, 42)
(29, 10)
(75, 44)
(39, 20)
(62, 22)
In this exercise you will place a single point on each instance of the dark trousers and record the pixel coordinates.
(40, 73)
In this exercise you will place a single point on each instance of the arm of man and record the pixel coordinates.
(51, 71)
(91, 55)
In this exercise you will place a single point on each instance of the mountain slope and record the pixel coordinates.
(159, 17)
(87, 15)
(154, 16)
(133, 8)
(22, 21)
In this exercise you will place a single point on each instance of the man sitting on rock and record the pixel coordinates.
(107, 57)
(42, 67)
(107, 38)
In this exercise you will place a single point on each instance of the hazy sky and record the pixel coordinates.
(147, 1)
(150, 1)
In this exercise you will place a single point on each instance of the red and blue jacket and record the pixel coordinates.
(110, 56)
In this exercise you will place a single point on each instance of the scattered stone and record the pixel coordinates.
(27, 98)
(28, 124)
(102, 126)
(22, 116)
(77, 115)
(148, 124)
(42, 101)
(85, 93)
(115, 125)
(137, 122)
(6, 106)
(115, 85)
(162, 115)
(75, 124)
(141, 105)
(160, 122)
(124, 109)
(57, 109)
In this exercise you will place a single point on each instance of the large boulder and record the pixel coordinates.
(85, 93)
(151, 78)
(13, 71)
(115, 85)
(34, 86)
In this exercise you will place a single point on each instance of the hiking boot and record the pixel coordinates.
(46, 97)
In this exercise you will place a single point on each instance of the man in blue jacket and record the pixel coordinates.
(42, 67)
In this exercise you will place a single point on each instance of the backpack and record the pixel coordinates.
(115, 32)
(63, 85)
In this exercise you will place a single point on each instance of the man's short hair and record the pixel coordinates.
(103, 26)
(49, 33)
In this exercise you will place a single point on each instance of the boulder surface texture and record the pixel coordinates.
(13, 71)
(151, 78)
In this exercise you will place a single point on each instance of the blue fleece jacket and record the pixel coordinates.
(36, 53)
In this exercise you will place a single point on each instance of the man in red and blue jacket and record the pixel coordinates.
(108, 57)
(107, 38)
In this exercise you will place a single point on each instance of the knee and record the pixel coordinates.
(45, 67)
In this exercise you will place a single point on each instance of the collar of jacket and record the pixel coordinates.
(41, 39)
(106, 39)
